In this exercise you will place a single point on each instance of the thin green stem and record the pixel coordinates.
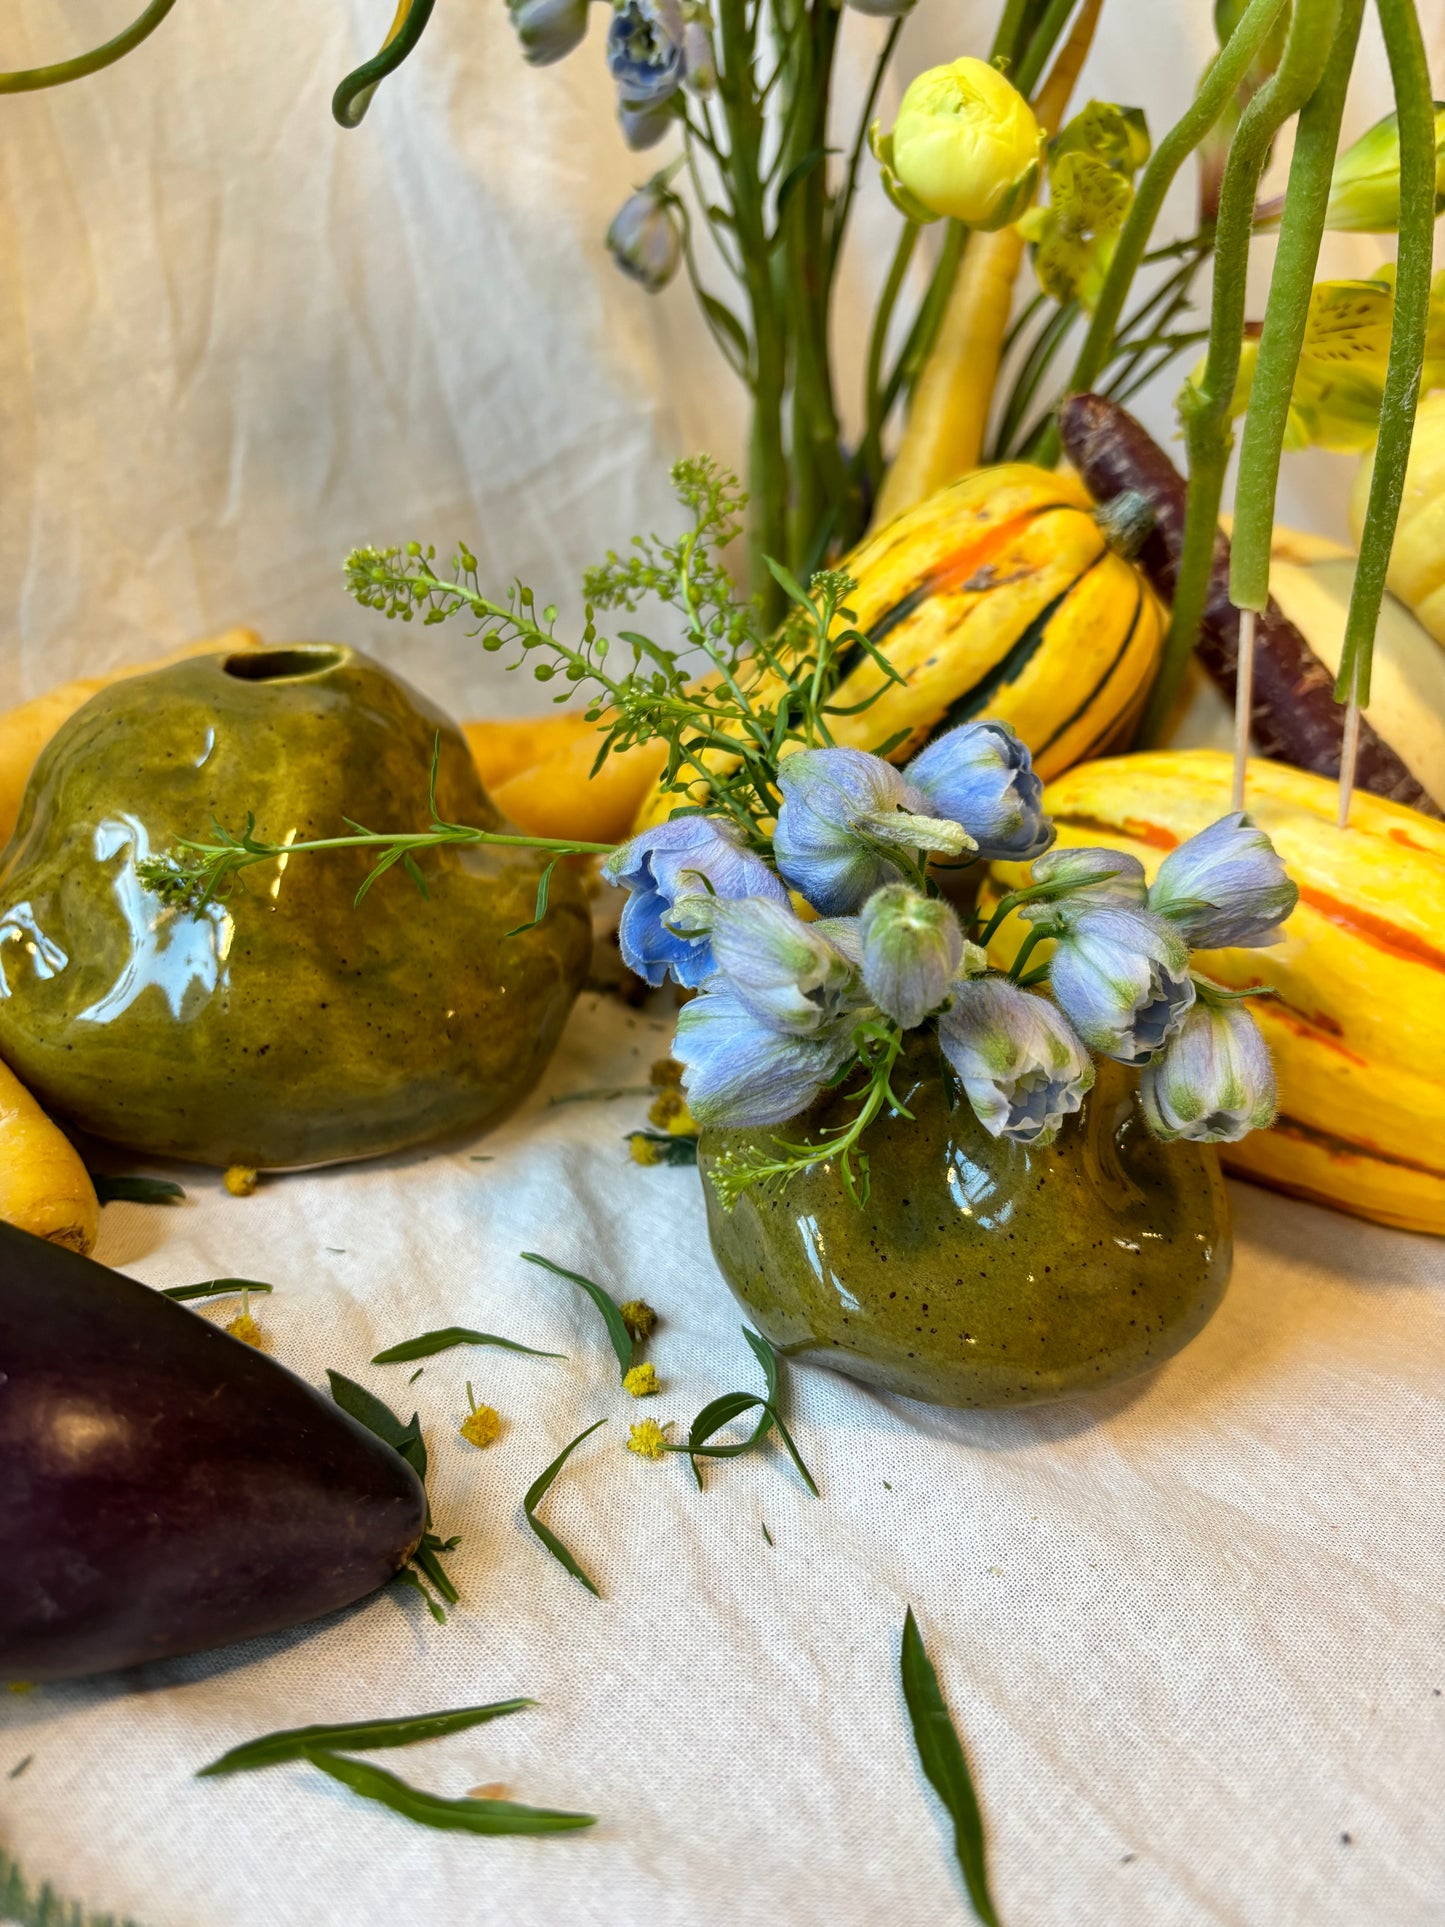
(872, 449)
(1034, 58)
(31, 79)
(1410, 73)
(1205, 406)
(1215, 93)
(1286, 313)
(843, 206)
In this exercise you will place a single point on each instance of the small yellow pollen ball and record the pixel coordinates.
(240, 1180)
(248, 1331)
(641, 1381)
(668, 1112)
(639, 1317)
(481, 1426)
(648, 1440)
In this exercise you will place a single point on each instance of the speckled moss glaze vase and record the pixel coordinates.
(285, 1026)
(981, 1273)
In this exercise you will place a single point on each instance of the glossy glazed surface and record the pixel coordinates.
(982, 1273)
(164, 1488)
(285, 1025)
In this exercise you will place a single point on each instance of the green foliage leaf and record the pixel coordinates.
(135, 1190)
(538, 1491)
(722, 1411)
(942, 1759)
(432, 1810)
(544, 885)
(355, 1736)
(214, 1288)
(611, 1313)
(22, 1906)
(444, 1339)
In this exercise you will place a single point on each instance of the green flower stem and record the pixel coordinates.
(1286, 312)
(1216, 91)
(31, 79)
(843, 207)
(1410, 74)
(872, 447)
(1034, 58)
(767, 532)
(1206, 406)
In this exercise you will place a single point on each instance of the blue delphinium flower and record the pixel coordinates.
(913, 949)
(786, 972)
(645, 51)
(645, 238)
(842, 811)
(689, 856)
(1104, 876)
(1022, 1067)
(1121, 977)
(981, 775)
(739, 1071)
(644, 127)
(1225, 886)
(1215, 1082)
(548, 29)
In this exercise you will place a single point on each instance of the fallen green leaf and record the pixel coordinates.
(538, 1491)
(942, 1759)
(214, 1288)
(432, 1810)
(356, 1736)
(611, 1312)
(134, 1190)
(445, 1338)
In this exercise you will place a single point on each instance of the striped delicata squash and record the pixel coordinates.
(1007, 595)
(1358, 1025)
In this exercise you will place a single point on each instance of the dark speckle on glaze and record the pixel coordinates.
(285, 1026)
(982, 1273)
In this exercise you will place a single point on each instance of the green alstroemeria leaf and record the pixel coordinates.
(427, 1343)
(355, 1736)
(538, 1490)
(466, 1815)
(942, 1759)
(610, 1311)
(215, 1288)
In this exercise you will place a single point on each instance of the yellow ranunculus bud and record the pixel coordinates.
(965, 144)
(1365, 185)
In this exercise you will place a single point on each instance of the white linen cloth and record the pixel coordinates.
(1190, 1631)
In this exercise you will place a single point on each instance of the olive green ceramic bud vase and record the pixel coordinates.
(979, 1272)
(285, 1025)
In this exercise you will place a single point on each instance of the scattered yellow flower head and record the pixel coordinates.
(641, 1381)
(965, 144)
(668, 1112)
(240, 1180)
(28, 1685)
(665, 1071)
(639, 1317)
(648, 1439)
(248, 1331)
(643, 1149)
(1365, 186)
(481, 1426)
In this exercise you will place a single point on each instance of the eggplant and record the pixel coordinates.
(164, 1488)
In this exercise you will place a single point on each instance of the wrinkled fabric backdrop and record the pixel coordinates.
(1191, 1630)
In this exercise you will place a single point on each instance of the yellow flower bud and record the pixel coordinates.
(1365, 186)
(966, 144)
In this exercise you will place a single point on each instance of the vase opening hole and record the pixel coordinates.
(284, 665)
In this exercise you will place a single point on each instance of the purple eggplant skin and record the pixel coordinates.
(165, 1489)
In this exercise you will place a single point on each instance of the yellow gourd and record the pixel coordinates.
(44, 1187)
(1358, 1025)
(1417, 562)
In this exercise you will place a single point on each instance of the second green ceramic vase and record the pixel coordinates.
(980, 1272)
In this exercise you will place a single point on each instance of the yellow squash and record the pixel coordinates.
(1358, 1025)
(1002, 596)
(45, 1189)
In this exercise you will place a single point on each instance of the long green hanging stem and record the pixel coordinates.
(1286, 314)
(1205, 406)
(30, 79)
(1217, 89)
(353, 95)
(1409, 70)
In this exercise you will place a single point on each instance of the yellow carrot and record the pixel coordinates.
(944, 434)
(44, 1187)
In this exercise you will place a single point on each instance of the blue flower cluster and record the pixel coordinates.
(788, 999)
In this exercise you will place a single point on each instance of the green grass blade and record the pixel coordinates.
(356, 1736)
(443, 1340)
(611, 1315)
(942, 1759)
(25, 1906)
(722, 1411)
(133, 1190)
(538, 1491)
(214, 1288)
(432, 1810)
